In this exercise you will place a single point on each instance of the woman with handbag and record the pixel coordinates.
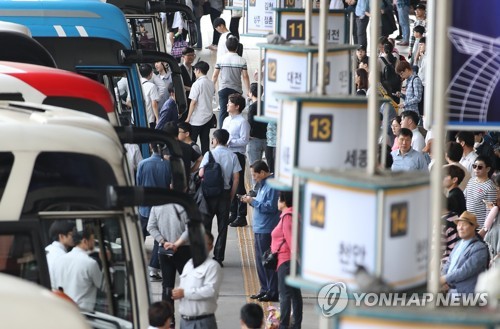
(281, 244)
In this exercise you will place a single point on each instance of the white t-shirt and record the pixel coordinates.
(150, 93)
(221, 46)
(203, 91)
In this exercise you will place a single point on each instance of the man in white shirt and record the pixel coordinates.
(220, 26)
(409, 119)
(200, 110)
(77, 273)
(150, 93)
(466, 139)
(61, 233)
(198, 292)
(239, 136)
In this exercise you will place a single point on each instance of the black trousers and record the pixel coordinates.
(219, 206)
(238, 208)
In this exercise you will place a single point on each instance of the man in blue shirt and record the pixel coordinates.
(153, 172)
(406, 158)
(265, 218)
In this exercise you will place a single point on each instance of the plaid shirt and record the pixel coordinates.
(414, 92)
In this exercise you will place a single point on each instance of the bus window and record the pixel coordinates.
(17, 256)
(147, 32)
(109, 252)
(67, 181)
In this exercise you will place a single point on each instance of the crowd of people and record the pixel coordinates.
(471, 175)
(471, 182)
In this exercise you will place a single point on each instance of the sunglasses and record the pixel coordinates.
(478, 167)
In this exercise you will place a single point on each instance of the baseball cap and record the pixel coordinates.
(361, 47)
(467, 217)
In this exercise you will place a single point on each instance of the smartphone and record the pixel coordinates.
(239, 196)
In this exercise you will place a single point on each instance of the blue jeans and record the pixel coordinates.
(255, 149)
(223, 99)
(404, 21)
(268, 278)
(290, 297)
(361, 25)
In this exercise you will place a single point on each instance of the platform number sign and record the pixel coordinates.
(320, 127)
(318, 210)
(289, 3)
(399, 219)
(295, 29)
(272, 66)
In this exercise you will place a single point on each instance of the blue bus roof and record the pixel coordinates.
(60, 18)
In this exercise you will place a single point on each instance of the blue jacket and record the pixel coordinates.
(266, 214)
(470, 264)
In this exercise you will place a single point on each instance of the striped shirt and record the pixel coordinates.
(475, 193)
(231, 65)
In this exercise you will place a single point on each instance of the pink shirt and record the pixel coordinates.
(283, 233)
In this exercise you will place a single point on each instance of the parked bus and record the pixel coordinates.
(45, 85)
(92, 38)
(59, 164)
(145, 14)
(19, 46)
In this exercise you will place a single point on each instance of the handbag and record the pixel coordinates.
(269, 258)
(179, 44)
(213, 121)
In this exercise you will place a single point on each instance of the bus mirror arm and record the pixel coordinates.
(151, 56)
(140, 135)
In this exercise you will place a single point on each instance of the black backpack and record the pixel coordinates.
(390, 79)
(213, 181)
(239, 49)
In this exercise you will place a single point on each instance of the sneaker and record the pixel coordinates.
(403, 43)
(154, 277)
(399, 37)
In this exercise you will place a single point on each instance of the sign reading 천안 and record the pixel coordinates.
(331, 206)
(260, 16)
(474, 89)
(406, 226)
(292, 27)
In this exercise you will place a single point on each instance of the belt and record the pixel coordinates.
(196, 317)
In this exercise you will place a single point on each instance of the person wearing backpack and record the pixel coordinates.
(388, 77)
(219, 173)
(414, 88)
